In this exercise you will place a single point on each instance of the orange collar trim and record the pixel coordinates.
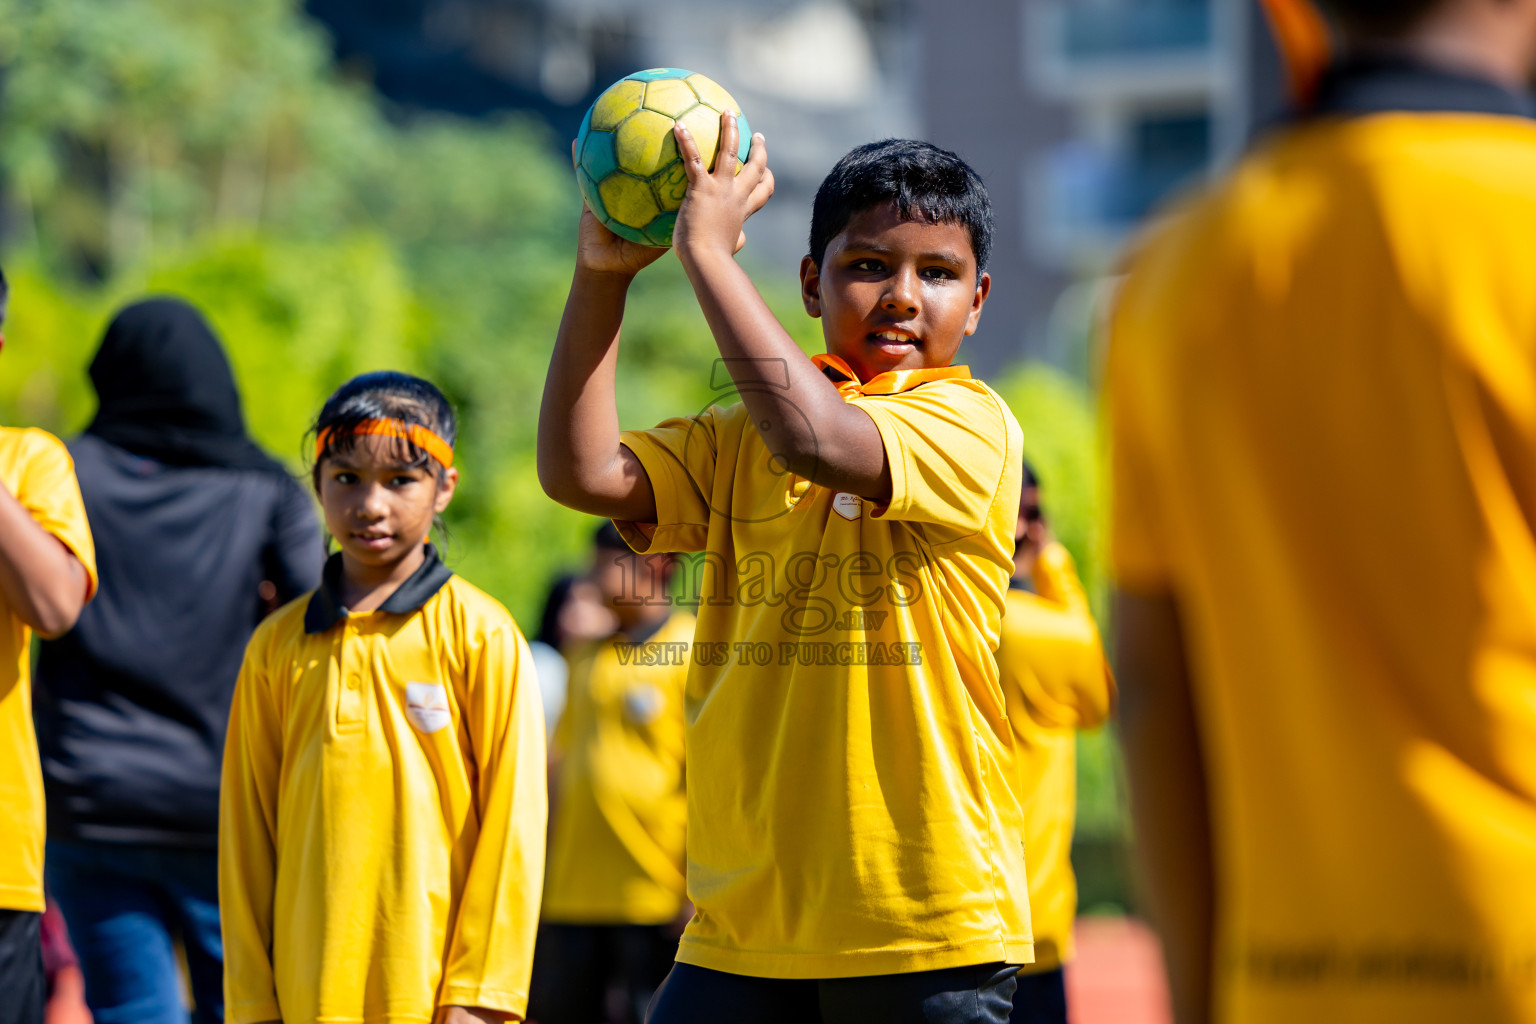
(892, 382)
(415, 433)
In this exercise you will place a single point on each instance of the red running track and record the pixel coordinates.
(1117, 976)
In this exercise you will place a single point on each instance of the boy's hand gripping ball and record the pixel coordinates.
(626, 158)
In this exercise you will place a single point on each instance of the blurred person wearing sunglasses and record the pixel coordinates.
(1056, 681)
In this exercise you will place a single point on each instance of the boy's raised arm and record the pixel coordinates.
(581, 462)
(797, 409)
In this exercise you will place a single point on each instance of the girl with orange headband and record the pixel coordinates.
(381, 839)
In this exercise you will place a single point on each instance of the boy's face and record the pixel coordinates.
(895, 294)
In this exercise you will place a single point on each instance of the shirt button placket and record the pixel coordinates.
(351, 705)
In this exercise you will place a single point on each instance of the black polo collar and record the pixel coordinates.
(643, 632)
(325, 608)
(1386, 84)
(1014, 583)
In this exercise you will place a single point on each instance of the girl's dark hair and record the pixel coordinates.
(924, 182)
(554, 603)
(1380, 18)
(385, 394)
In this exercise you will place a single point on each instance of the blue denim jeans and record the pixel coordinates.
(125, 906)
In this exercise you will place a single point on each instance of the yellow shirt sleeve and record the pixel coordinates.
(1072, 687)
(51, 493)
(679, 456)
(490, 954)
(947, 447)
(253, 753)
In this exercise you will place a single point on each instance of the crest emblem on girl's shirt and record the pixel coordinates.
(849, 506)
(426, 705)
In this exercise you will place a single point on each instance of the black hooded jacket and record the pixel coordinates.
(189, 517)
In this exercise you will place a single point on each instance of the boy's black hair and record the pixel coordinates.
(923, 181)
(5, 296)
(1031, 478)
(1379, 18)
(385, 394)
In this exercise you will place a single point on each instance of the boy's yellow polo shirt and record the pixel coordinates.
(1056, 682)
(1322, 397)
(36, 468)
(381, 826)
(848, 810)
(621, 812)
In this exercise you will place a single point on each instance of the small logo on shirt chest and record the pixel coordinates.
(426, 705)
(849, 506)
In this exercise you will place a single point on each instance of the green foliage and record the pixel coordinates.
(1060, 429)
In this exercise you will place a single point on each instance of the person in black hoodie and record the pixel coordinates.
(199, 534)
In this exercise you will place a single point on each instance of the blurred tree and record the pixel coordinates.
(127, 127)
(212, 151)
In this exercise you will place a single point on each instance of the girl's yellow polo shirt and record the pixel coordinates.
(381, 834)
(36, 468)
(1056, 682)
(849, 811)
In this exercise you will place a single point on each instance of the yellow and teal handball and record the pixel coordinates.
(626, 157)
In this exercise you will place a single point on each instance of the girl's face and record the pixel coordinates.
(378, 508)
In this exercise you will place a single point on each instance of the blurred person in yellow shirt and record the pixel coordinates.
(1322, 404)
(1056, 681)
(47, 574)
(614, 892)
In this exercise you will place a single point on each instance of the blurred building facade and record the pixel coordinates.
(1082, 115)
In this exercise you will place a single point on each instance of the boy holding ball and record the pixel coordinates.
(853, 847)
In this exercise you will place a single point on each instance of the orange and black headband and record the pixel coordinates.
(415, 433)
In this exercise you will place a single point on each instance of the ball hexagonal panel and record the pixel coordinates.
(671, 185)
(598, 155)
(628, 200)
(709, 92)
(670, 97)
(618, 102)
(644, 141)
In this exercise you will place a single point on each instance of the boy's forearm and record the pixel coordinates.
(1169, 802)
(796, 408)
(581, 461)
(41, 580)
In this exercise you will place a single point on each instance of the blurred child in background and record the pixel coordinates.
(614, 891)
(47, 574)
(382, 826)
(1056, 682)
(574, 614)
(1322, 399)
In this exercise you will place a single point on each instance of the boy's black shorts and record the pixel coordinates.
(21, 967)
(1041, 998)
(589, 973)
(982, 994)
